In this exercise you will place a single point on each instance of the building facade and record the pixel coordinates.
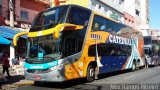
(133, 9)
(145, 17)
(137, 14)
(24, 11)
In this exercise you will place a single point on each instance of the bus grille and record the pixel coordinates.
(39, 71)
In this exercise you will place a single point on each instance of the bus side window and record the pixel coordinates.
(98, 23)
(112, 53)
(78, 16)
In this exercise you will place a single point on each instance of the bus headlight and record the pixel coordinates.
(25, 69)
(58, 67)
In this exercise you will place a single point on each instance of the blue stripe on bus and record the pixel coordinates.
(112, 63)
(41, 66)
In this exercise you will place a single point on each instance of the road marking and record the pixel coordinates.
(130, 76)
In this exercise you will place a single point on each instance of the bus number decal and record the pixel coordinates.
(96, 37)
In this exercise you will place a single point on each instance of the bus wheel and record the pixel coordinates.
(134, 65)
(90, 73)
(138, 63)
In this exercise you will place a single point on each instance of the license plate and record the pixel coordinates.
(37, 77)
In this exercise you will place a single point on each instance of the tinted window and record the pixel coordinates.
(109, 50)
(104, 24)
(72, 41)
(98, 23)
(49, 18)
(78, 16)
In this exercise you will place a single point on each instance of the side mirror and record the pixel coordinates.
(56, 34)
(65, 26)
(17, 36)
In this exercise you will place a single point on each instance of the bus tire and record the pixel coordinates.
(138, 63)
(134, 65)
(90, 73)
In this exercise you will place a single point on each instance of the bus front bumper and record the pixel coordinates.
(53, 76)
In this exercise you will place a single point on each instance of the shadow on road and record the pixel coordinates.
(77, 82)
(60, 85)
(102, 76)
(80, 84)
(11, 80)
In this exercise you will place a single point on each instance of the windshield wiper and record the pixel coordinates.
(49, 57)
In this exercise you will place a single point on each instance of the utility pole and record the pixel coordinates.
(12, 49)
(11, 8)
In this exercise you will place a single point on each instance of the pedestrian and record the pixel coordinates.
(5, 64)
(146, 60)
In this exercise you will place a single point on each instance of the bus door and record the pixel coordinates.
(70, 46)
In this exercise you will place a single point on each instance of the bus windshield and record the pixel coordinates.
(49, 18)
(44, 48)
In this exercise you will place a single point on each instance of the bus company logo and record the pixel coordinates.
(96, 37)
(119, 40)
(37, 67)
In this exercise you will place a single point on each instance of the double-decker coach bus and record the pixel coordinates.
(69, 42)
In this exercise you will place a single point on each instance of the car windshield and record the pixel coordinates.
(49, 18)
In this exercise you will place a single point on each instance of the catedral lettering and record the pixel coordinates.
(69, 42)
(119, 40)
(37, 67)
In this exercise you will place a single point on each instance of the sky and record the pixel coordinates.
(155, 14)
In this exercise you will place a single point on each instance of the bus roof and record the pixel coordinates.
(71, 5)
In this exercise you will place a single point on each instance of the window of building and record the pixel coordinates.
(121, 2)
(137, 12)
(24, 15)
(106, 12)
(99, 7)
(93, 6)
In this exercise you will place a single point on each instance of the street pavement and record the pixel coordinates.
(14, 81)
(143, 79)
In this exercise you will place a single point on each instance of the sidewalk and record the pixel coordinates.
(14, 82)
